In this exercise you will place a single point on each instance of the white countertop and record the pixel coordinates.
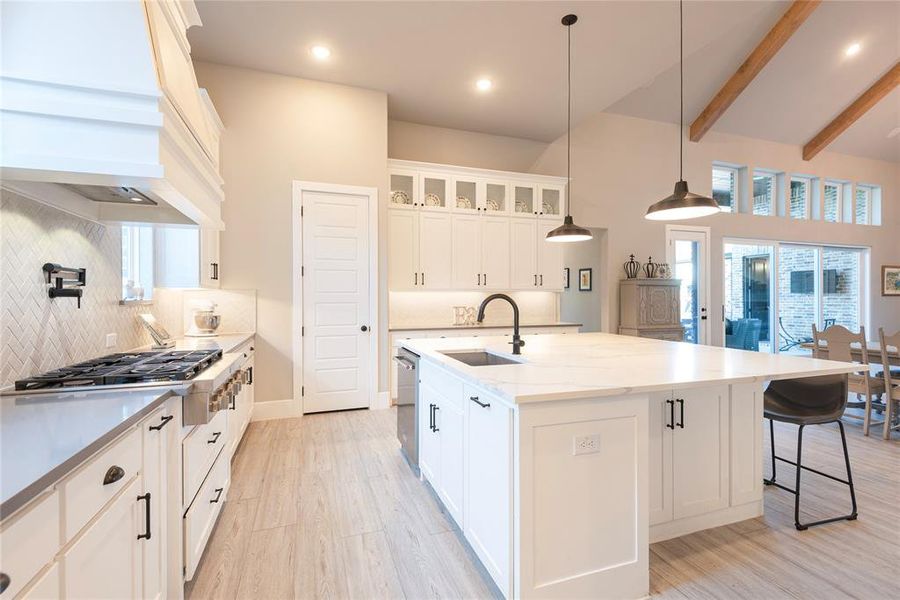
(561, 367)
(44, 436)
(442, 326)
(227, 342)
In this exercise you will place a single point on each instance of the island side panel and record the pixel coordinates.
(582, 519)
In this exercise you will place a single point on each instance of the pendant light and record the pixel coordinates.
(569, 231)
(682, 204)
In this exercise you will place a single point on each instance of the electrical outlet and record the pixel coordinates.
(111, 340)
(586, 444)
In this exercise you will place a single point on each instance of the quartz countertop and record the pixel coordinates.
(227, 342)
(43, 437)
(433, 326)
(563, 367)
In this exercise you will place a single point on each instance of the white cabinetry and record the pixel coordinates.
(187, 257)
(460, 228)
(488, 484)
(210, 262)
(154, 492)
(105, 562)
(688, 453)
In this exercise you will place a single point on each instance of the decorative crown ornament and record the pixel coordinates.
(650, 268)
(632, 268)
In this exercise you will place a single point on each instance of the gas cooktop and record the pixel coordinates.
(123, 368)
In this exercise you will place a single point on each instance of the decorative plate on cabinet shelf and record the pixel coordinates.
(492, 205)
(463, 202)
(400, 197)
(548, 208)
(432, 200)
(521, 206)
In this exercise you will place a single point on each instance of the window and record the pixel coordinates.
(763, 193)
(868, 205)
(832, 209)
(137, 262)
(724, 188)
(799, 201)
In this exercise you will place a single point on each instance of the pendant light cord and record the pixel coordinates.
(681, 90)
(569, 122)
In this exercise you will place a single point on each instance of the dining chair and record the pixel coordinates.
(838, 340)
(891, 379)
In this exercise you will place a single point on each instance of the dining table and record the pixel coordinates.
(873, 349)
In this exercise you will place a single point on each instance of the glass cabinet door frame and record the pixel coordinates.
(416, 192)
(561, 209)
(507, 201)
(478, 202)
(449, 191)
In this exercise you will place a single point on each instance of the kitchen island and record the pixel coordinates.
(562, 465)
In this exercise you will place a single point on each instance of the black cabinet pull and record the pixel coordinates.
(233, 401)
(113, 474)
(218, 495)
(435, 428)
(535, 280)
(364, 328)
(162, 423)
(431, 417)
(4, 582)
(479, 402)
(542, 280)
(671, 422)
(416, 278)
(479, 279)
(250, 375)
(423, 277)
(680, 402)
(215, 438)
(146, 534)
(485, 279)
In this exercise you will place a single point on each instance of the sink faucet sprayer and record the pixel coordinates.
(517, 342)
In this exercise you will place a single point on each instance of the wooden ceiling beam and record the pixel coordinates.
(881, 88)
(789, 22)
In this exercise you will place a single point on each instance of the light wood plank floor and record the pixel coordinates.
(325, 507)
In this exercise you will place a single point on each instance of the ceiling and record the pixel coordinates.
(427, 56)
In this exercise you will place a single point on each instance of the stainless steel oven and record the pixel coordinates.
(408, 406)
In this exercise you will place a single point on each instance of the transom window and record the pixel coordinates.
(724, 187)
(763, 193)
(865, 204)
(798, 202)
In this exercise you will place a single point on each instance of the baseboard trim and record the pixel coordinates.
(680, 527)
(276, 409)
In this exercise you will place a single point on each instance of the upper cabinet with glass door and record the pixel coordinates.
(434, 190)
(467, 195)
(404, 189)
(552, 201)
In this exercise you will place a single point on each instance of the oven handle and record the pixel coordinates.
(405, 363)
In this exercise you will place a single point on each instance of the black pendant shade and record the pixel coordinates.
(682, 204)
(569, 231)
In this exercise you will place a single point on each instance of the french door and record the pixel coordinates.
(687, 252)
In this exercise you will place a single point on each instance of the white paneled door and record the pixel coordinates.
(338, 366)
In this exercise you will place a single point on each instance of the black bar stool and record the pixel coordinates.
(808, 401)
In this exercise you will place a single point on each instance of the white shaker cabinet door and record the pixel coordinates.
(210, 263)
(156, 431)
(495, 253)
(700, 451)
(523, 250)
(550, 258)
(489, 467)
(435, 243)
(467, 273)
(449, 421)
(403, 249)
(106, 561)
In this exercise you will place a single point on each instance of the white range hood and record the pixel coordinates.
(104, 94)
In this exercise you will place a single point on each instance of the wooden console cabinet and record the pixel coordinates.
(651, 308)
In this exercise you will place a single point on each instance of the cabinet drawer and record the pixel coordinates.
(200, 449)
(203, 512)
(34, 534)
(448, 386)
(85, 492)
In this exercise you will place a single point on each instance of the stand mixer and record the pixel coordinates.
(204, 320)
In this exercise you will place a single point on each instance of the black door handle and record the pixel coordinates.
(146, 535)
(218, 495)
(215, 438)
(680, 402)
(479, 402)
(364, 328)
(113, 474)
(162, 423)
(671, 423)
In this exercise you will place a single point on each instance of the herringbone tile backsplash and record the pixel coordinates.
(36, 333)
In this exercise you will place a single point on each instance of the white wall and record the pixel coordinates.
(411, 141)
(621, 165)
(279, 129)
(585, 307)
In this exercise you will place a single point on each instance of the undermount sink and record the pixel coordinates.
(480, 358)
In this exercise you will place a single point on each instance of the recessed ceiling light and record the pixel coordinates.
(320, 52)
(852, 49)
(484, 85)
(136, 199)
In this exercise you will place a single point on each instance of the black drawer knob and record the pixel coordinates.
(4, 582)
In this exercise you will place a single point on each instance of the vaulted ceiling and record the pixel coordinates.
(427, 56)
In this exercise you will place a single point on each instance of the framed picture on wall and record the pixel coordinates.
(585, 280)
(566, 278)
(890, 280)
